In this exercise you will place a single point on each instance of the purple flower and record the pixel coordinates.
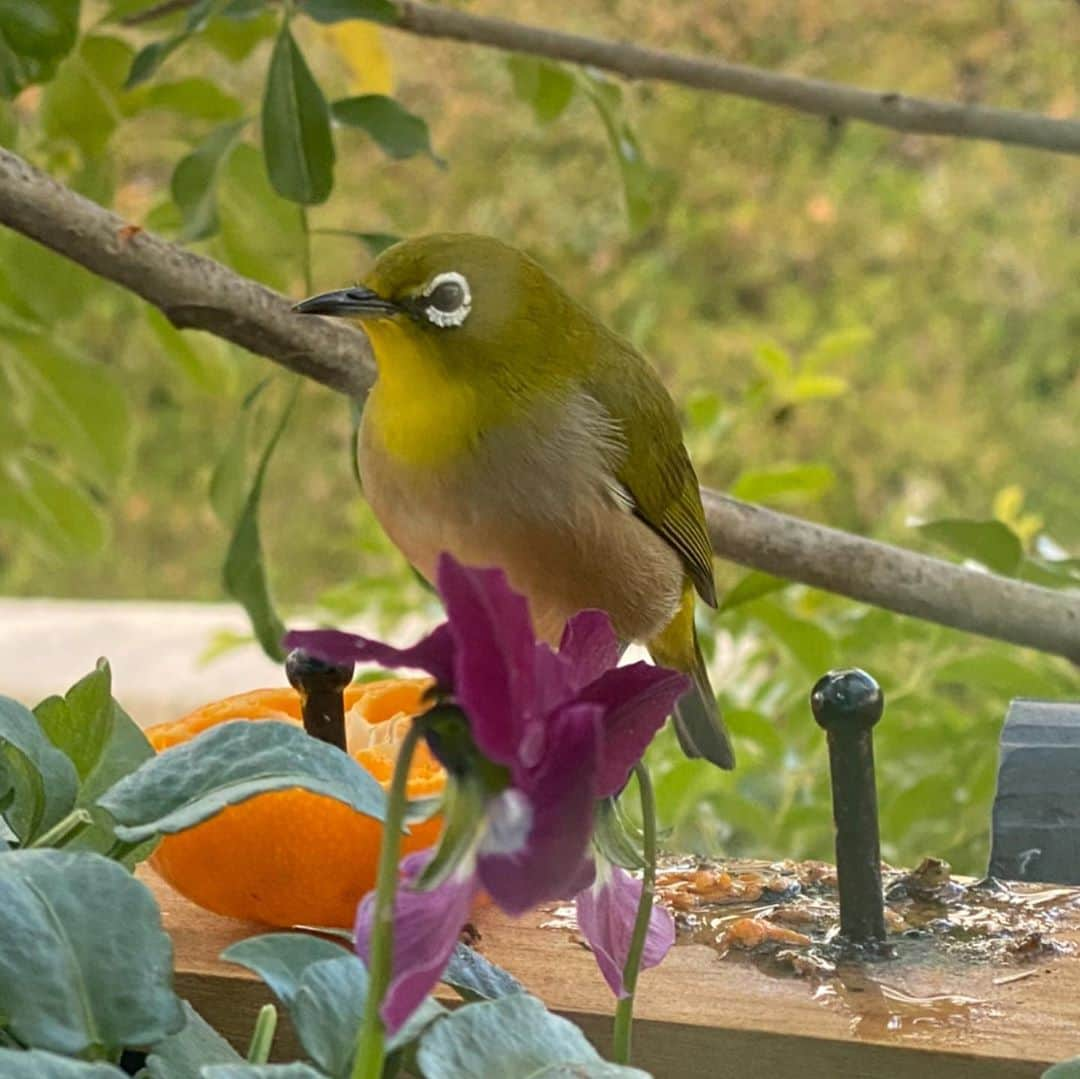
(565, 728)
(606, 912)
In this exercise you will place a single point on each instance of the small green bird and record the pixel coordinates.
(511, 428)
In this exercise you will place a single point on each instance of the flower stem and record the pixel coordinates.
(371, 1043)
(262, 1037)
(624, 1010)
(64, 830)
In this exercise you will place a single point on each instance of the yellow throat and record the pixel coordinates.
(417, 412)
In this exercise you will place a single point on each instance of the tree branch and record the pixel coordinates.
(198, 293)
(926, 116)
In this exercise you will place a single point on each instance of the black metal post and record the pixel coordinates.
(846, 705)
(321, 687)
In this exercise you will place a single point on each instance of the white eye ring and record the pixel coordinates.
(460, 313)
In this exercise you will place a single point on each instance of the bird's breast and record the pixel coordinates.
(536, 499)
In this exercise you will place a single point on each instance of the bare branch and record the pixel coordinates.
(198, 293)
(927, 116)
(886, 109)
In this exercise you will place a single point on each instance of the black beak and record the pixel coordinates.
(356, 302)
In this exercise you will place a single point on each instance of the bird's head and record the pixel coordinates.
(470, 307)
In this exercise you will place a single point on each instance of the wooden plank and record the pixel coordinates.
(700, 1016)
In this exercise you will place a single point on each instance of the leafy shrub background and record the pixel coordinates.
(863, 328)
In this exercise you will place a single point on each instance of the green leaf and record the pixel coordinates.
(244, 25)
(327, 1010)
(245, 568)
(991, 543)
(1050, 573)
(750, 726)
(1067, 1069)
(183, 1055)
(280, 959)
(39, 1064)
(328, 11)
(197, 98)
(34, 37)
(375, 242)
(260, 233)
(463, 816)
(753, 585)
(324, 989)
(228, 483)
(195, 181)
(806, 387)
(773, 362)
(56, 511)
(992, 669)
(44, 781)
(229, 764)
(612, 837)
(104, 744)
(807, 641)
(475, 978)
(150, 58)
(297, 142)
(637, 177)
(515, 1037)
(784, 483)
(42, 286)
(322, 986)
(76, 405)
(547, 87)
(835, 346)
(82, 103)
(295, 1070)
(85, 963)
(398, 132)
(203, 358)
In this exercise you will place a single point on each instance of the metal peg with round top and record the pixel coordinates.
(846, 705)
(322, 694)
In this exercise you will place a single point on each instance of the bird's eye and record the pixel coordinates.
(447, 299)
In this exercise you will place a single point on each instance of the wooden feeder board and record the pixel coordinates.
(700, 1016)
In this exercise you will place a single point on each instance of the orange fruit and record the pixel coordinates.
(293, 857)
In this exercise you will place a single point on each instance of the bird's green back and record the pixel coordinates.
(657, 470)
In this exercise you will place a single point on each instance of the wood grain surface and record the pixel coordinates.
(703, 1017)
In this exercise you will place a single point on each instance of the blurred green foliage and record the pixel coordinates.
(875, 330)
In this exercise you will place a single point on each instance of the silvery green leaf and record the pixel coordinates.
(85, 962)
(261, 1071)
(476, 978)
(184, 1054)
(280, 959)
(42, 781)
(228, 764)
(39, 1064)
(515, 1037)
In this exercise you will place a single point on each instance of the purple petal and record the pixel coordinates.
(426, 928)
(493, 663)
(550, 862)
(433, 653)
(636, 699)
(606, 913)
(589, 643)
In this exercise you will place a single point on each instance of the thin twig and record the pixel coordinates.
(198, 293)
(928, 116)
(885, 108)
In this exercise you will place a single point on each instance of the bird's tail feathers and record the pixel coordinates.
(697, 719)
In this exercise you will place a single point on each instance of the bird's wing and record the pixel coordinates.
(656, 470)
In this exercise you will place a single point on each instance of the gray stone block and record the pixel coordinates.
(1036, 819)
